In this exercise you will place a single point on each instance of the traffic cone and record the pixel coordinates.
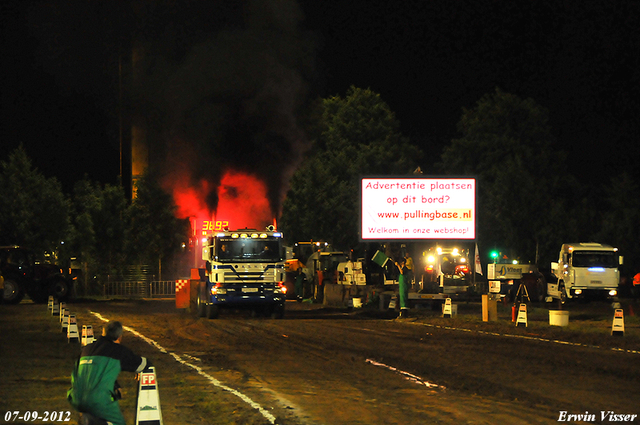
(617, 328)
(72, 329)
(87, 335)
(148, 410)
(522, 315)
(65, 321)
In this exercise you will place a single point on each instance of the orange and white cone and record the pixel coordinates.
(87, 335)
(63, 306)
(65, 321)
(447, 310)
(522, 315)
(72, 329)
(617, 328)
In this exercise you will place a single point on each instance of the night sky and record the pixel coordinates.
(428, 59)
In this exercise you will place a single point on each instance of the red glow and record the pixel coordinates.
(463, 268)
(242, 200)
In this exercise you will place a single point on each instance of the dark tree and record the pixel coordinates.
(523, 190)
(35, 212)
(153, 232)
(357, 135)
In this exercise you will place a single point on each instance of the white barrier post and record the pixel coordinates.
(522, 315)
(447, 312)
(72, 329)
(148, 410)
(617, 328)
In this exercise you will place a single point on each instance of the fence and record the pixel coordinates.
(136, 289)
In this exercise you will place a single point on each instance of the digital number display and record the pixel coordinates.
(209, 226)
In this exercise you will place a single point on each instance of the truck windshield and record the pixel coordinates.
(606, 259)
(252, 250)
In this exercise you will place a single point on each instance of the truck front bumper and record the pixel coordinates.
(577, 292)
(241, 300)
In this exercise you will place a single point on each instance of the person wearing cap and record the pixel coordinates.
(94, 388)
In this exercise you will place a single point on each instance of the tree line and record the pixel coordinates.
(95, 224)
(528, 201)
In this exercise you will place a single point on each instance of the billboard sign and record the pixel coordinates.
(404, 208)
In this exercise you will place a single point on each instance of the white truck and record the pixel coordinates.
(244, 268)
(585, 269)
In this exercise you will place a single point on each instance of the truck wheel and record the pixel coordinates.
(212, 311)
(13, 293)
(201, 307)
(60, 289)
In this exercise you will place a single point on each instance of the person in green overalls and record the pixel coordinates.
(403, 288)
(94, 390)
(299, 284)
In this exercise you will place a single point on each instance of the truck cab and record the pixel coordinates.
(244, 269)
(585, 269)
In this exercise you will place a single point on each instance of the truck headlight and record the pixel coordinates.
(613, 293)
(578, 291)
(217, 289)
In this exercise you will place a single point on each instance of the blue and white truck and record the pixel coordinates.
(244, 269)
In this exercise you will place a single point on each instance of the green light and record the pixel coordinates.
(494, 254)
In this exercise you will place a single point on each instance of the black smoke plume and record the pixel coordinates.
(221, 86)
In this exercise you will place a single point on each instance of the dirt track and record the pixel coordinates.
(321, 366)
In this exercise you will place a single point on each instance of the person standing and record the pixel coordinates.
(636, 284)
(409, 264)
(299, 284)
(403, 288)
(94, 389)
